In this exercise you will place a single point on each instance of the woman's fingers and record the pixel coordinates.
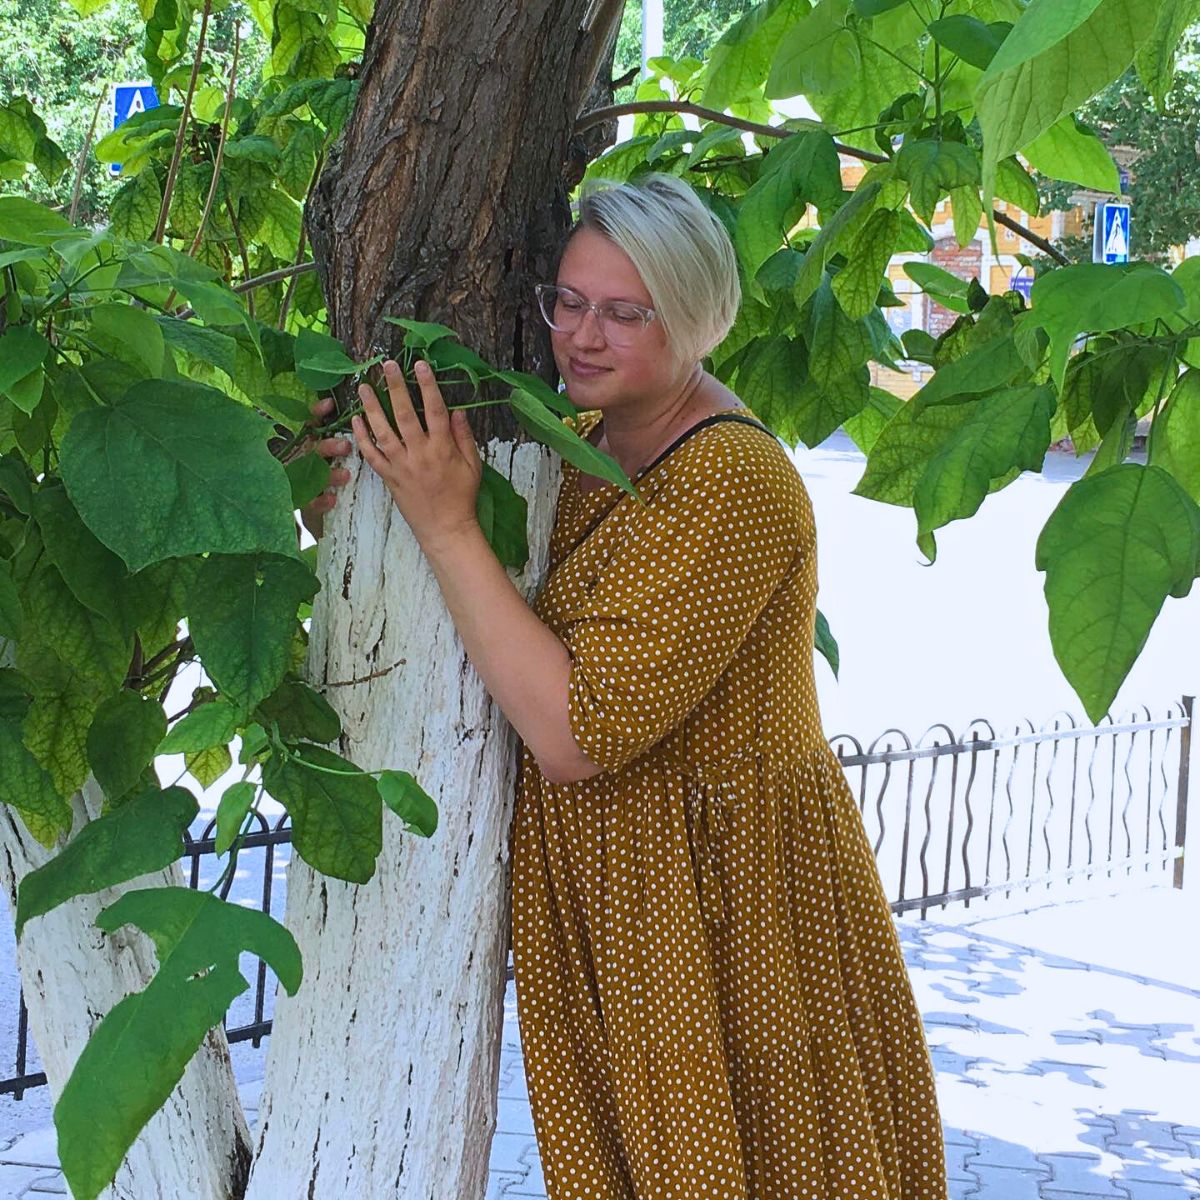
(332, 447)
(375, 422)
(402, 405)
(437, 419)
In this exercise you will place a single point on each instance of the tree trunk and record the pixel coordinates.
(197, 1145)
(446, 202)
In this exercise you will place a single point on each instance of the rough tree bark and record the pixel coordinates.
(446, 201)
(198, 1145)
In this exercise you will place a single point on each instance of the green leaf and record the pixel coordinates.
(29, 789)
(1014, 185)
(817, 54)
(409, 801)
(337, 822)
(209, 725)
(826, 644)
(503, 517)
(1116, 546)
(22, 352)
(837, 344)
(865, 426)
(1059, 54)
(947, 289)
(973, 40)
(242, 625)
(420, 334)
(539, 389)
(12, 613)
(142, 836)
(741, 60)
(29, 224)
(545, 427)
(199, 342)
(966, 209)
(15, 695)
(1098, 297)
(822, 404)
(1175, 446)
(1070, 151)
(766, 382)
(177, 469)
(299, 159)
(321, 362)
(840, 229)
(857, 285)
(133, 211)
(802, 169)
(123, 739)
(1155, 60)
(933, 169)
(300, 712)
(308, 476)
(874, 8)
(129, 334)
(235, 804)
(138, 1053)
(1005, 431)
(995, 364)
(207, 766)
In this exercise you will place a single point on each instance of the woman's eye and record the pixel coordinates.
(625, 316)
(570, 303)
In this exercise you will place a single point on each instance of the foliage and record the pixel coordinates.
(1164, 189)
(154, 390)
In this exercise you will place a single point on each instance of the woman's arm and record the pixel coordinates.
(433, 475)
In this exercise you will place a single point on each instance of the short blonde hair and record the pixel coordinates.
(680, 249)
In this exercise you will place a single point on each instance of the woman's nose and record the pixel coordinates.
(588, 331)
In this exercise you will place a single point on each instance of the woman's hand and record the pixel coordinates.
(433, 473)
(313, 513)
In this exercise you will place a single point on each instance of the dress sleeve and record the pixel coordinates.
(678, 600)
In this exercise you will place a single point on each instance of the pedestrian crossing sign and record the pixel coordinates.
(129, 99)
(1112, 233)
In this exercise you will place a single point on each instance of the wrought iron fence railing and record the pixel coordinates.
(952, 819)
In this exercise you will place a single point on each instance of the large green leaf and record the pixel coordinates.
(206, 726)
(865, 426)
(995, 364)
(12, 611)
(177, 469)
(1155, 60)
(549, 429)
(409, 801)
(1057, 56)
(837, 344)
(133, 211)
(138, 1053)
(130, 335)
(817, 54)
(241, 614)
(29, 789)
(1096, 298)
(1069, 151)
(1116, 546)
(22, 352)
(766, 381)
(1005, 431)
(139, 837)
(503, 517)
(300, 713)
(740, 61)
(857, 284)
(822, 404)
(801, 169)
(122, 740)
(337, 819)
(29, 224)
(235, 804)
(973, 40)
(933, 169)
(1175, 446)
(839, 230)
(826, 644)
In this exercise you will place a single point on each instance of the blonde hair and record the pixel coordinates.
(680, 249)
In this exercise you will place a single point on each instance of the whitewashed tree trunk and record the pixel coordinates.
(197, 1147)
(382, 1071)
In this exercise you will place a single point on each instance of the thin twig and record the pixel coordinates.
(597, 115)
(241, 245)
(212, 187)
(83, 154)
(291, 287)
(184, 119)
(259, 281)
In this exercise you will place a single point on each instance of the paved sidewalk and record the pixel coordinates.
(1066, 1041)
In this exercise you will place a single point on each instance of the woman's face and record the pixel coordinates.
(596, 373)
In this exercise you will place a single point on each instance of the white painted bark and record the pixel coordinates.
(197, 1146)
(382, 1072)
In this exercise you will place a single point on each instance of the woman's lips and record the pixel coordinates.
(586, 370)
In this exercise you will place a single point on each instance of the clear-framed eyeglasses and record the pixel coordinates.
(620, 322)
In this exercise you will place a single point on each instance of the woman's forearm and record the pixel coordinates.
(521, 662)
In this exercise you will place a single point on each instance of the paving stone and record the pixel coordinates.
(15, 1181)
(956, 1163)
(1183, 1190)
(514, 1116)
(953, 1020)
(1008, 1183)
(996, 1152)
(534, 1184)
(510, 1153)
(1081, 1173)
(961, 1189)
(498, 1184)
(49, 1185)
(36, 1149)
(1142, 1130)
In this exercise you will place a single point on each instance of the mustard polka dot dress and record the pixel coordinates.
(711, 995)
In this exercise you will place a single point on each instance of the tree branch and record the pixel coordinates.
(597, 115)
(258, 281)
(81, 165)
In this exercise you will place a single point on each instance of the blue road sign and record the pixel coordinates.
(1112, 224)
(128, 99)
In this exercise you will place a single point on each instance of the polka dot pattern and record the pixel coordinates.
(711, 994)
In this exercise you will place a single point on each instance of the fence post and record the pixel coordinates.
(1185, 758)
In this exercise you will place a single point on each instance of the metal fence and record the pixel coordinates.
(951, 818)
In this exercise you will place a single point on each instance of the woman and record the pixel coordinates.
(711, 994)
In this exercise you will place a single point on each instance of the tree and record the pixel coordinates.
(252, 259)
